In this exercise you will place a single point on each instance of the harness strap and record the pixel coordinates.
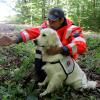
(54, 62)
(64, 69)
(61, 66)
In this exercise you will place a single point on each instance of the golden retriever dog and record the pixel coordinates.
(60, 68)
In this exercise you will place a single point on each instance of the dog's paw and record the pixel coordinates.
(40, 84)
(43, 94)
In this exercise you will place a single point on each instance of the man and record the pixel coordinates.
(70, 35)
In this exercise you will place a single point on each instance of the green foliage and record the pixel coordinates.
(29, 11)
(20, 59)
(91, 59)
(83, 12)
(86, 13)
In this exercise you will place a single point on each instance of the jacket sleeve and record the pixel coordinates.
(76, 41)
(30, 33)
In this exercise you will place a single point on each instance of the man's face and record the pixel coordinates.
(55, 24)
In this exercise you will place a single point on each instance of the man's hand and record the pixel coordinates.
(6, 40)
(53, 50)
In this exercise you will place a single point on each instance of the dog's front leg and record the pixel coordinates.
(43, 83)
(56, 82)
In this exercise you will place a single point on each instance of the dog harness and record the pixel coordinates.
(66, 64)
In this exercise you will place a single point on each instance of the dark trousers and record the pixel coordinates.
(39, 72)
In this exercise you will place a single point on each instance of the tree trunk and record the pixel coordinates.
(43, 10)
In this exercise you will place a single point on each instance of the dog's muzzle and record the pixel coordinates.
(37, 44)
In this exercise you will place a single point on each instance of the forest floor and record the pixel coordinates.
(16, 61)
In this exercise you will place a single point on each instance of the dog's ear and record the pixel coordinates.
(51, 40)
(54, 40)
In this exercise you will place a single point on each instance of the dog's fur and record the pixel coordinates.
(55, 73)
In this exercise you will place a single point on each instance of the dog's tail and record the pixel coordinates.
(92, 84)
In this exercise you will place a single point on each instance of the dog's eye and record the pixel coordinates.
(43, 35)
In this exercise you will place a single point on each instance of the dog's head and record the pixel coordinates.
(48, 37)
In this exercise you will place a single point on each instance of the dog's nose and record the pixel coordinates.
(36, 42)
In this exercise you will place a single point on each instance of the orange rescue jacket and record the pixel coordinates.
(70, 36)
